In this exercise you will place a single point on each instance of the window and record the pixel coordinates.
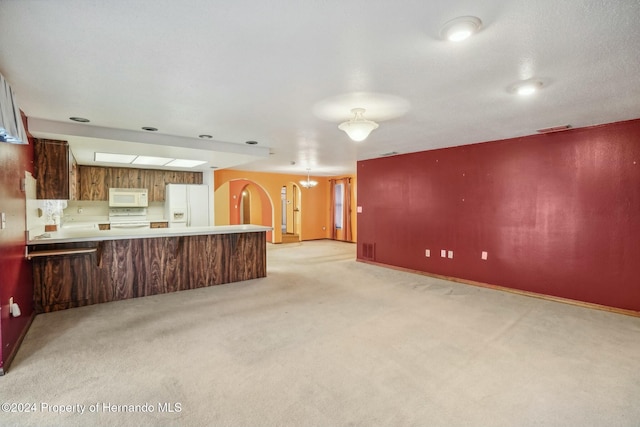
(339, 198)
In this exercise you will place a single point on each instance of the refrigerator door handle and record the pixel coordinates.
(188, 208)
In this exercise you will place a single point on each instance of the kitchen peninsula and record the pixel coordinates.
(73, 268)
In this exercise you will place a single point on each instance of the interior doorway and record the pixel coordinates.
(245, 207)
(291, 213)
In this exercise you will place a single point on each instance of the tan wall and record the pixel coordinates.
(314, 202)
(221, 205)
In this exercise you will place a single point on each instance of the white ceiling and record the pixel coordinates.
(285, 73)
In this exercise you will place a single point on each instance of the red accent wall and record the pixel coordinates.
(15, 271)
(558, 214)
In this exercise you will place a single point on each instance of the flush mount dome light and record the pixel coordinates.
(527, 87)
(358, 128)
(460, 28)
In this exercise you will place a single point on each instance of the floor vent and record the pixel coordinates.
(369, 251)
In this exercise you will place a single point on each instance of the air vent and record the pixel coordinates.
(369, 251)
(554, 129)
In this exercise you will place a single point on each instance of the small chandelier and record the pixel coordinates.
(358, 128)
(308, 183)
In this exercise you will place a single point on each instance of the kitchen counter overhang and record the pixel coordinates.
(72, 235)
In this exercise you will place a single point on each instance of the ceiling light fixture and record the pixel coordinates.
(205, 136)
(251, 142)
(460, 28)
(146, 160)
(358, 128)
(79, 119)
(149, 128)
(527, 87)
(308, 183)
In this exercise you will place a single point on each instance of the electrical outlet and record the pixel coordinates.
(450, 254)
(427, 253)
(3, 221)
(484, 255)
(443, 253)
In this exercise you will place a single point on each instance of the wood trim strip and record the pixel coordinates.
(583, 304)
(57, 252)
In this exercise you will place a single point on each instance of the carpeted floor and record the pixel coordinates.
(326, 341)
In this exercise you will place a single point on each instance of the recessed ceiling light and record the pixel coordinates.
(114, 158)
(527, 87)
(460, 28)
(79, 119)
(151, 161)
(251, 142)
(203, 136)
(183, 163)
(149, 128)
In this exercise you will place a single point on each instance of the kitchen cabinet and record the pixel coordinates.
(55, 170)
(95, 181)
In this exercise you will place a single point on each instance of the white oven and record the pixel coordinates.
(128, 198)
(128, 219)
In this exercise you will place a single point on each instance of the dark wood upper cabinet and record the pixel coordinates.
(55, 170)
(95, 181)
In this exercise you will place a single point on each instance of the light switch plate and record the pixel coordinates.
(443, 253)
(450, 254)
(427, 253)
(484, 255)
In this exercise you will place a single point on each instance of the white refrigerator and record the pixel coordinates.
(187, 205)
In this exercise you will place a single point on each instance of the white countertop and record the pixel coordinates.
(72, 235)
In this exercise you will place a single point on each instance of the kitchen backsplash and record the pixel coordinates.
(97, 211)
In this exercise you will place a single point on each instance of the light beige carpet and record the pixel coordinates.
(327, 341)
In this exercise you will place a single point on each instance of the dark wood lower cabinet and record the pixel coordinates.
(123, 269)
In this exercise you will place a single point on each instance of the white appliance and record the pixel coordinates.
(128, 198)
(187, 205)
(128, 218)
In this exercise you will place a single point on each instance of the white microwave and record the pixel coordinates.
(128, 197)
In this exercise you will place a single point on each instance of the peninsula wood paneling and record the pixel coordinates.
(123, 269)
(95, 181)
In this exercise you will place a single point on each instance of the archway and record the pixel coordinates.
(241, 201)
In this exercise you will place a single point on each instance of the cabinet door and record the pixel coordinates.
(62, 282)
(51, 160)
(93, 184)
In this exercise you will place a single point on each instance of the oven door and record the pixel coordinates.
(137, 225)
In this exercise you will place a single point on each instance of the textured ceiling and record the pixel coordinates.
(285, 73)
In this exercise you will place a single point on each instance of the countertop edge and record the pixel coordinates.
(100, 235)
